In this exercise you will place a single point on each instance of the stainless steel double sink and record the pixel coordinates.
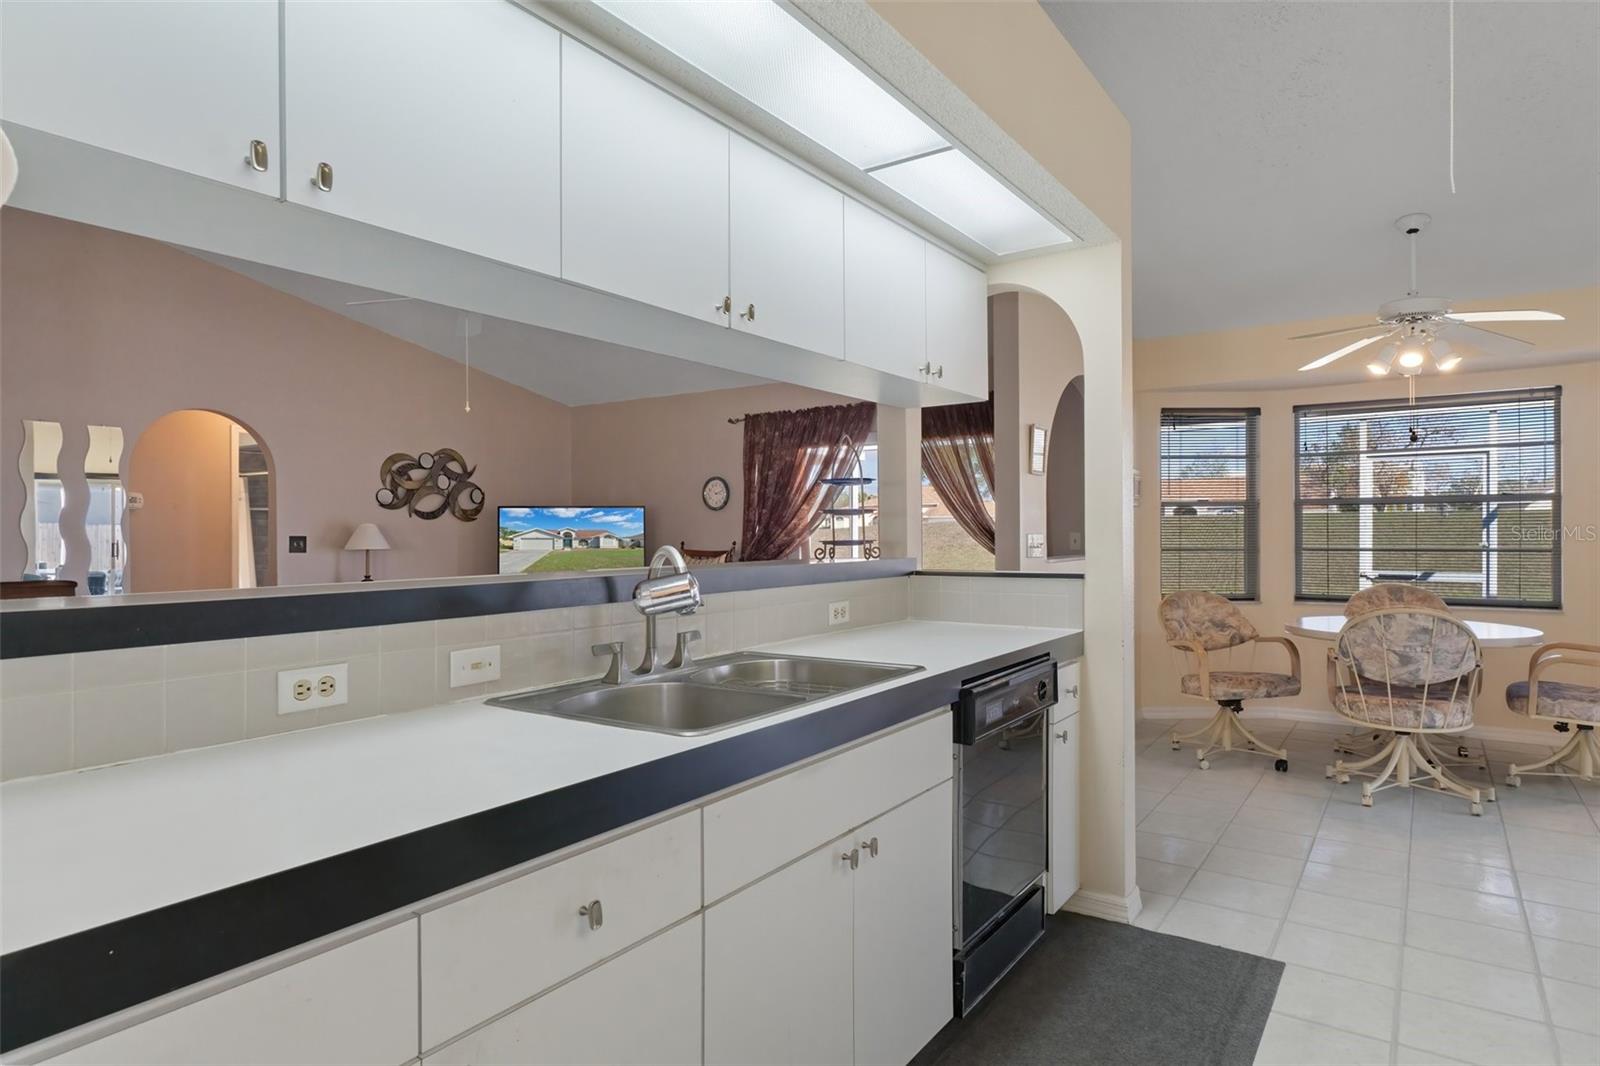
(706, 696)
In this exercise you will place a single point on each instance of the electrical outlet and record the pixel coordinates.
(474, 666)
(838, 612)
(1075, 541)
(311, 687)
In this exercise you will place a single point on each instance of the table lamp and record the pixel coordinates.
(367, 538)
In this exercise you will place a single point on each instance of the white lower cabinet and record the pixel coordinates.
(1062, 821)
(356, 1003)
(641, 1008)
(843, 956)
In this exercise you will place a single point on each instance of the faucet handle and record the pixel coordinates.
(613, 649)
(680, 655)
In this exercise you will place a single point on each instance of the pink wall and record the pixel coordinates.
(182, 537)
(660, 451)
(102, 328)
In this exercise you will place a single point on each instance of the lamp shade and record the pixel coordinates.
(367, 537)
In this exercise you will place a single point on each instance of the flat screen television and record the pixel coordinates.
(538, 540)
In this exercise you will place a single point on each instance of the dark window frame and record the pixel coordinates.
(1550, 393)
(1250, 506)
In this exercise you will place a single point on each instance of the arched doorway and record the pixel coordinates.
(204, 520)
(1064, 475)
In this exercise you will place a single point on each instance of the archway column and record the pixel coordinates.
(1091, 286)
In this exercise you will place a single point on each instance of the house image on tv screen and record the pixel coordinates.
(537, 539)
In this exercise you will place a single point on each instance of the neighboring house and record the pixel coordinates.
(566, 539)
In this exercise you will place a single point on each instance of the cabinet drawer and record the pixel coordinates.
(642, 1007)
(492, 950)
(760, 829)
(1067, 690)
(355, 1003)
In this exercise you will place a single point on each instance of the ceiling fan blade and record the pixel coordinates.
(1332, 332)
(1505, 316)
(1317, 364)
(1485, 340)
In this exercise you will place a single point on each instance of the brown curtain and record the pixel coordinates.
(786, 454)
(957, 446)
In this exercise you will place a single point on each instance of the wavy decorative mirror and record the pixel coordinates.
(43, 496)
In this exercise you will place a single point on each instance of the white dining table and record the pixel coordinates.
(1489, 634)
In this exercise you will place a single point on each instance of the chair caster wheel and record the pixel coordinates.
(1327, 772)
(1282, 766)
(1477, 810)
(1489, 795)
(1366, 799)
(1205, 764)
(1176, 745)
(1513, 781)
(1344, 779)
(1462, 752)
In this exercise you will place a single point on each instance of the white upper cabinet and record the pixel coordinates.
(885, 294)
(436, 119)
(187, 86)
(958, 323)
(644, 190)
(786, 252)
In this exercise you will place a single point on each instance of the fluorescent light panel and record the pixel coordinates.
(760, 52)
(954, 188)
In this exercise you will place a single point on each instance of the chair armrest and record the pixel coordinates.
(1294, 652)
(1551, 655)
(1202, 668)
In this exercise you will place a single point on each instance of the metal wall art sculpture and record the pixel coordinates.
(429, 484)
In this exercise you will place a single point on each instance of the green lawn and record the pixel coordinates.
(1440, 538)
(946, 546)
(588, 559)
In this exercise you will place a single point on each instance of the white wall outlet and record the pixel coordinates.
(474, 666)
(838, 612)
(311, 687)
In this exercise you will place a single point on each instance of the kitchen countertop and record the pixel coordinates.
(85, 848)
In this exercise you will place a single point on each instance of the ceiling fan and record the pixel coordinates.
(1423, 331)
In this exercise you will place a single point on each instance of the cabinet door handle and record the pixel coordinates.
(1073, 691)
(853, 857)
(257, 157)
(593, 911)
(1062, 736)
(323, 178)
(749, 313)
(726, 306)
(939, 373)
(926, 370)
(871, 846)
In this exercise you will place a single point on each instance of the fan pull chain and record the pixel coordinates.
(1452, 5)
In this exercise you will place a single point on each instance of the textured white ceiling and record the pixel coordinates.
(1275, 143)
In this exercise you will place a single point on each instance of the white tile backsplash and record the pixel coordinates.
(995, 600)
(63, 712)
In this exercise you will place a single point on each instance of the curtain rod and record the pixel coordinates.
(736, 421)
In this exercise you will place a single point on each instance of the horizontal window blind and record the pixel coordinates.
(1210, 528)
(1458, 494)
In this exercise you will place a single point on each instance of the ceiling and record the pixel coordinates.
(1274, 144)
(569, 369)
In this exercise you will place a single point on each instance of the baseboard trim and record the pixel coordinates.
(1122, 909)
(1309, 714)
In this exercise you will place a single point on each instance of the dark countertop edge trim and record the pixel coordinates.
(26, 633)
(1060, 575)
(61, 984)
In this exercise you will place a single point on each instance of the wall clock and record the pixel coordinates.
(715, 493)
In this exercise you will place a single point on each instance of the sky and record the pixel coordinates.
(623, 521)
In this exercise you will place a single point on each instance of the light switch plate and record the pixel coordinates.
(311, 687)
(474, 666)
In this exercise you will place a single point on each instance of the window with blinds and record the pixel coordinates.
(1210, 529)
(1458, 494)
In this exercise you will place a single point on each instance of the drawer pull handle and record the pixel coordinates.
(1073, 691)
(322, 178)
(594, 913)
(871, 846)
(1062, 736)
(257, 159)
(853, 857)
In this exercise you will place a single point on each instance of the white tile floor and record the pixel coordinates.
(1411, 931)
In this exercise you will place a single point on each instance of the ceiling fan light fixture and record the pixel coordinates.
(1449, 363)
(1412, 358)
(1378, 368)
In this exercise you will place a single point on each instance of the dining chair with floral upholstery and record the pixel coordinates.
(1367, 600)
(1198, 623)
(1410, 672)
(1571, 707)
